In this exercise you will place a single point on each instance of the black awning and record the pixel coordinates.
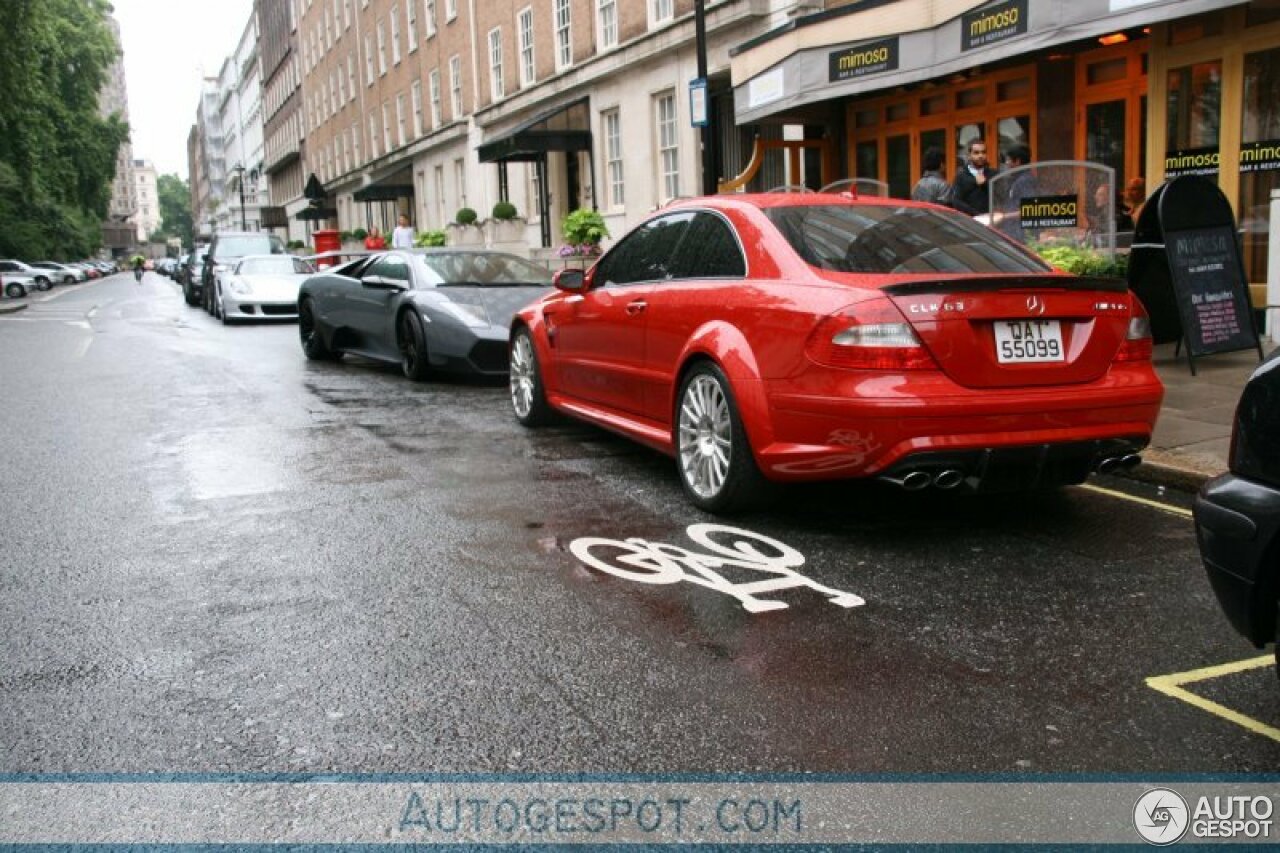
(384, 192)
(273, 217)
(564, 128)
(316, 214)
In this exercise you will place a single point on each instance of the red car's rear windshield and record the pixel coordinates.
(888, 239)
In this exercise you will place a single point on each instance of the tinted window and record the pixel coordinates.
(249, 244)
(484, 269)
(277, 265)
(647, 253)
(886, 239)
(392, 268)
(709, 250)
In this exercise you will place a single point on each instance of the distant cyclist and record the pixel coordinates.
(139, 267)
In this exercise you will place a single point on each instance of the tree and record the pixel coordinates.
(175, 209)
(57, 154)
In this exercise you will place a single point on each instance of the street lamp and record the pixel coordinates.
(239, 170)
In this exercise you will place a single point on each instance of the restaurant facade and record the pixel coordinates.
(1151, 89)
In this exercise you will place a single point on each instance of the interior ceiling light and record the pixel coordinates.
(1114, 38)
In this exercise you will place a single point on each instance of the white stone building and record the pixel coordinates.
(147, 216)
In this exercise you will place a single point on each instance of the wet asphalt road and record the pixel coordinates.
(218, 556)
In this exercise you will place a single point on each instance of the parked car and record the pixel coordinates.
(192, 288)
(61, 273)
(1238, 514)
(225, 249)
(91, 270)
(42, 278)
(808, 337)
(427, 309)
(17, 285)
(263, 287)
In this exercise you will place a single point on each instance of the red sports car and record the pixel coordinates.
(806, 337)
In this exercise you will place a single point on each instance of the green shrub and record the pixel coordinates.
(504, 211)
(346, 236)
(429, 239)
(295, 244)
(465, 216)
(584, 227)
(1080, 260)
(359, 234)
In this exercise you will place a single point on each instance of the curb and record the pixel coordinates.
(1172, 476)
(13, 309)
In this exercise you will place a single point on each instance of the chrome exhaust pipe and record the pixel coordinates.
(948, 479)
(1106, 466)
(1131, 461)
(913, 481)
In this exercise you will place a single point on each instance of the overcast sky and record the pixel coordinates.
(169, 45)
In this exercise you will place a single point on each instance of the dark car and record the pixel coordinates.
(426, 309)
(1238, 513)
(226, 248)
(189, 276)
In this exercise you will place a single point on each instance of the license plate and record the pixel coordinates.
(1026, 341)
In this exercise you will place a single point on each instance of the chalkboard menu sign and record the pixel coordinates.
(1186, 268)
(1215, 307)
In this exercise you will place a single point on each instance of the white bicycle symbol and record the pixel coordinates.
(658, 563)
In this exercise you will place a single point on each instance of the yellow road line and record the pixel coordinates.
(1172, 685)
(1176, 510)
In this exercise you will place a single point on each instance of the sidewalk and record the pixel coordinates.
(1193, 436)
(9, 306)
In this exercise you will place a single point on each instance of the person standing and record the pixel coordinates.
(971, 194)
(375, 241)
(1022, 186)
(402, 236)
(932, 186)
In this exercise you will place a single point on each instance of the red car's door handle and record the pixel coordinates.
(636, 307)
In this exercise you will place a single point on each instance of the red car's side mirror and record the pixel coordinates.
(570, 281)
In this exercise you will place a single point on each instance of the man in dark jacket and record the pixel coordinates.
(932, 187)
(971, 194)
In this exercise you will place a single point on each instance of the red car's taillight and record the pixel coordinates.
(1137, 341)
(871, 335)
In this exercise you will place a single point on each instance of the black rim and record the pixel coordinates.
(306, 328)
(408, 343)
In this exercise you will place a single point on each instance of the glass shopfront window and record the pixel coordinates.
(1194, 115)
(1259, 156)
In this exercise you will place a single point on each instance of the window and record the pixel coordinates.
(341, 89)
(434, 83)
(417, 108)
(527, 68)
(450, 9)
(382, 48)
(460, 180)
(411, 23)
(351, 76)
(1259, 128)
(668, 147)
(342, 154)
(401, 120)
(355, 144)
(455, 85)
(386, 126)
(346, 14)
(608, 15)
(395, 35)
(660, 11)
(647, 253)
(373, 136)
(709, 250)
(564, 43)
(441, 216)
(429, 17)
(496, 90)
(613, 158)
(368, 61)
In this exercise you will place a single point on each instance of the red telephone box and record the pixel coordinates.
(327, 240)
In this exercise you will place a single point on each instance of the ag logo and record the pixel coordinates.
(1161, 816)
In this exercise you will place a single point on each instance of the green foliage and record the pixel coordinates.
(504, 211)
(1081, 260)
(57, 154)
(429, 239)
(346, 236)
(359, 233)
(584, 227)
(175, 208)
(465, 216)
(295, 244)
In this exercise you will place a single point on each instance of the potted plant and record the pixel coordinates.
(463, 230)
(430, 239)
(583, 232)
(505, 225)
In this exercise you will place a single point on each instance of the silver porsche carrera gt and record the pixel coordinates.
(425, 309)
(261, 287)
